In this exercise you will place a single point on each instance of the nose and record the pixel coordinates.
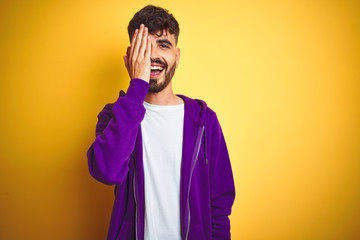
(153, 53)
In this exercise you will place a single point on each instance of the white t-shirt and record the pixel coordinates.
(162, 136)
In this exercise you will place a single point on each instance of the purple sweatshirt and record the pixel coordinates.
(207, 188)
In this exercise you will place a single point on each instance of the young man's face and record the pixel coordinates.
(164, 60)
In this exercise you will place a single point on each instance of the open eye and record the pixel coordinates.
(164, 45)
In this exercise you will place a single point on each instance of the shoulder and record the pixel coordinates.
(211, 122)
(107, 110)
(210, 114)
(199, 110)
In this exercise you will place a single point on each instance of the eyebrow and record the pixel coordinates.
(164, 41)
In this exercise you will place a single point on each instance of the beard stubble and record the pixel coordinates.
(156, 87)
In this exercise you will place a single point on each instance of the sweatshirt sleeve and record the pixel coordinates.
(222, 193)
(116, 131)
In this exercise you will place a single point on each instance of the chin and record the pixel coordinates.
(156, 85)
(160, 83)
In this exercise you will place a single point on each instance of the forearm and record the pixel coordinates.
(109, 155)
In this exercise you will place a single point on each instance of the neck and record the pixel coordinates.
(165, 97)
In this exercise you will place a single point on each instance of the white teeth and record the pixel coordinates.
(156, 68)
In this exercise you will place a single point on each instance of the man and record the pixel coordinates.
(165, 153)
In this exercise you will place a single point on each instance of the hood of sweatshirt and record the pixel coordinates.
(196, 108)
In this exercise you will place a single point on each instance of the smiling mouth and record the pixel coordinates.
(156, 71)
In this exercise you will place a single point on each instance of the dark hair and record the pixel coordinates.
(155, 19)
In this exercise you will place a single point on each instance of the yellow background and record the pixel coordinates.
(283, 77)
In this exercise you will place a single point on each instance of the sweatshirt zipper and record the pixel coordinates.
(193, 160)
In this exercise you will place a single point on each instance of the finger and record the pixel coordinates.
(138, 41)
(148, 49)
(133, 40)
(143, 42)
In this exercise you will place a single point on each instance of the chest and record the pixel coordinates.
(162, 129)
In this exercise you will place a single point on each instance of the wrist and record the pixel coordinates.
(139, 78)
(137, 90)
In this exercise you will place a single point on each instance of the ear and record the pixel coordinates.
(128, 52)
(177, 56)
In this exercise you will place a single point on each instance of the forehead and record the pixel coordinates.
(165, 35)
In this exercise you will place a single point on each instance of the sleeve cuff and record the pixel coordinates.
(137, 90)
